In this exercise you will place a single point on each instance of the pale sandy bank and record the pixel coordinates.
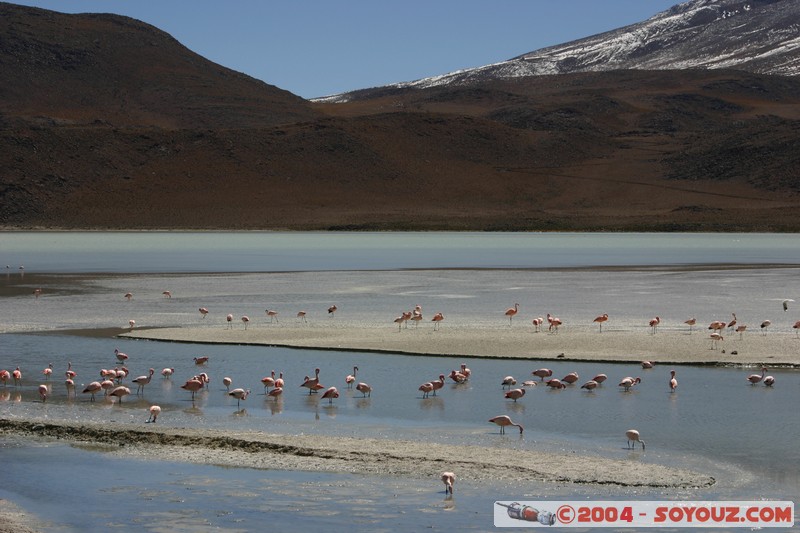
(577, 344)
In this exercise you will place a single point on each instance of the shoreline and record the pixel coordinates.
(776, 350)
(369, 456)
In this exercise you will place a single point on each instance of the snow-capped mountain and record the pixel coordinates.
(759, 36)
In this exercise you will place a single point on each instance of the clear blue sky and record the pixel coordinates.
(320, 47)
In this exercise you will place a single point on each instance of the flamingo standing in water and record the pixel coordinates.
(691, 322)
(628, 382)
(602, 318)
(769, 381)
(274, 393)
(364, 389)
(193, 385)
(302, 316)
(121, 357)
(330, 394)
(272, 314)
(437, 383)
(437, 320)
(17, 373)
(537, 324)
(351, 378)
(764, 325)
(732, 323)
(92, 388)
(755, 378)
(715, 338)
(201, 360)
(654, 322)
(268, 381)
(239, 394)
(5, 375)
(448, 478)
(511, 311)
(673, 383)
(508, 381)
(503, 421)
(155, 410)
(590, 385)
(229, 320)
(515, 394)
(203, 312)
(48, 371)
(120, 392)
(740, 330)
(542, 373)
(332, 311)
(647, 364)
(167, 372)
(43, 392)
(245, 320)
(227, 382)
(426, 389)
(600, 378)
(633, 437)
(312, 383)
(141, 381)
(554, 322)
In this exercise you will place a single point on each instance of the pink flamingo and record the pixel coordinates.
(673, 383)
(351, 378)
(5, 375)
(654, 322)
(43, 392)
(633, 437)
(92, 388)
(239, 394)
(690, 322)
(364, 389)
(556, 384)
(508, 381)
(167, 372)
(229, 320)
(131, 324)
(717, 326)
(448, 478)
(600, 378)
(201, 360)
(129, 296)
(70, 387)
(273, 315)
(193, 385)
(590, 385)
(203, 312)
(332, 310)
(245, 320)
(120, 392)
(48, 371)
(426, 389)
(732, 323)
(279, 381)
(71, 374)
(796, 327)
(542, 373)
(741, 328)
(277, 391)
(302, 315)
(106, 385)
(227, 382)
(511, 311)
(437, 383)
(457, 376)
(554, 322)
(764, 325)
(268, 381)
(17, 376)
(504, 421)
(515, 394)
(155, 410)
(537, 324)
(416, 317)
(437, 320)
(141, 381)
(570, 378)
(330, 394)
(715, 338)
(628, 382)
(769, 381)
(647, 365)
(311, 383)
(121, 357)
(602, 318)
(755, 378)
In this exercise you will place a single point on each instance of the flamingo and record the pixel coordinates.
(92, 388)
(330, 394)
(542, 373)
(556, 384)
(629, 382)
(332, 310)
(48, 371)
(715, 338)
(203, 377)
(167, 294)
(755, 378)
(302, 315)
(466, 371)
(511, 311)
(633, 437)
(227, 382)
(141, 381)
(503, 421)
(273, 315)
(554, 322)
(364, 389)
(732, 323)
(120, 392)
(654, 322)
(203, 312)
(590, 385)
(239, 394)
(602, 318)
(599, 378)
(121, 357)
(245, 320)
(740, 330)
(106, 385)
(570, 378)
(508, 381)
(5, 375)
(69, 373)
(515, 394)
(537, 324)
(691, 322)
(457, 376)
(277, 391)
(311, 383)
(193, 385)
(769, 381)
(167, 372)
(268, 381)
(155, 410)
(129, 296)
(229, 320)
(416, 317)
(131, 324)
(717, 326)
(437, 320)
(647, 364)
(673, 383)
(796, 327)
(17, 373)
(279, 381)
(351, 378)
(201, 360)
(43, 392)
(426, 389)
(764, 325)
(448, 478)
(70, 387)
(438, 383)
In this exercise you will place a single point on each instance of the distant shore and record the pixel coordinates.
(678, 347)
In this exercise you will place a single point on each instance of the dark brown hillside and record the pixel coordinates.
(138, 132)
